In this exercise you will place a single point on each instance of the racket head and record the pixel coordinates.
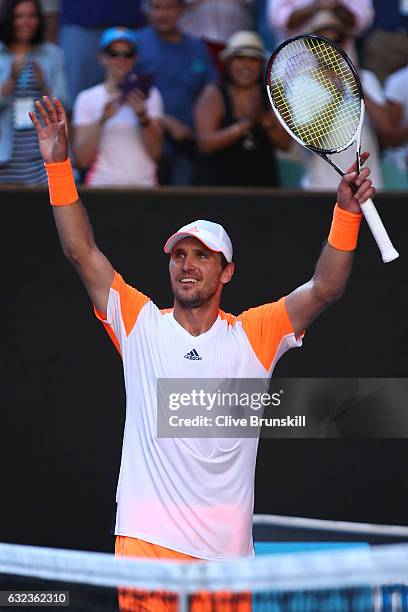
(316, 93)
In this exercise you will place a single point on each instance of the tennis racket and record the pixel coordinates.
(316, 94)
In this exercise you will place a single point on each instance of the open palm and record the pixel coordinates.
(53, 131)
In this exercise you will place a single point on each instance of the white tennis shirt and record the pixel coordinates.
(191, 495)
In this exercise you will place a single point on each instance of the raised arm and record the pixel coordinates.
(333, 268)
(74, 229)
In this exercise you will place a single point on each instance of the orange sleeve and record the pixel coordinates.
(124, 306)
(265, 327)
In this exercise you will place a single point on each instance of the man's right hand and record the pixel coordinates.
(53, 134)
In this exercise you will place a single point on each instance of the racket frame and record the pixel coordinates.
(359, 87)
(388, 252)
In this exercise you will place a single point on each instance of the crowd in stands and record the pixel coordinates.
(236, 129)
(171, 92)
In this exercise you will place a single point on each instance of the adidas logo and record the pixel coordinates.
(193, 355)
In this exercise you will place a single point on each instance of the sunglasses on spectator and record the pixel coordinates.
(126, 54)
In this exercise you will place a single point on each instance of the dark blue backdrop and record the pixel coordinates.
(62, 405)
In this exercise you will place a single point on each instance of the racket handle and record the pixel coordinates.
(388, 252)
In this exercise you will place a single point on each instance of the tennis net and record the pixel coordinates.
(357, 580)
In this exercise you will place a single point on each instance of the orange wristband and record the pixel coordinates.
(61, 183)
(344, 229)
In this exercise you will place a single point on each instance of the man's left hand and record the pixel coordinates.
(346, 198)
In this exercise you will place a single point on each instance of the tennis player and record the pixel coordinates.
(189, 498)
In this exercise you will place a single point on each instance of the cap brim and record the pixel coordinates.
(227, 54)
(104, 45)
(175, 238)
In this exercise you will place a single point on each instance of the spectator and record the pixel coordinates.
(236, 127)
(82, 25)
(29, 69)
(386, 46)
(291, 17)
(217, 20)
(214, 21)
(318, 176)
(396, 93)
(117, 129)
(182, 66)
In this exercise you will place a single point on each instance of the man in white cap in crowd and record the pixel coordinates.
(189, 498)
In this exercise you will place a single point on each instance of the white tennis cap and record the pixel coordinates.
(212, 235)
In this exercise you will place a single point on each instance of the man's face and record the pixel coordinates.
(196, 273)
(164, 15)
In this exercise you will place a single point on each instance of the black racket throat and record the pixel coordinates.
(353, 186)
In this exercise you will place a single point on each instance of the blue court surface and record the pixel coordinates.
(270, 548)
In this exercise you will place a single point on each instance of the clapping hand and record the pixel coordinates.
(137, 101)
(39, 77)
(254, 109)
(17, 66)
(110, 109)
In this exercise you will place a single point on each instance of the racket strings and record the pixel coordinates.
(305, 62)
(316, 93)
(324, 122)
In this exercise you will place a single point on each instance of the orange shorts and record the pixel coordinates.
(134, 600)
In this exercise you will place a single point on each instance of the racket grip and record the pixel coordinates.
(388, 252)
